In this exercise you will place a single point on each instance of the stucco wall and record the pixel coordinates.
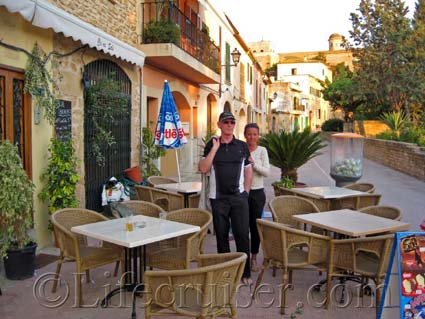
(369, 128)
(18, 32)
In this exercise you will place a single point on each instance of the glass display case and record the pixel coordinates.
(346, 158)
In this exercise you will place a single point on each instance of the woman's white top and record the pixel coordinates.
(261, 167)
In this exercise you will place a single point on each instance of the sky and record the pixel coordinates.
(292, 25)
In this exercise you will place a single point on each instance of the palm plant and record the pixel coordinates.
(290, 150)
(395, 121)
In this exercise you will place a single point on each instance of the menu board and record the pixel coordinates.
(63, 120)
(411, 258)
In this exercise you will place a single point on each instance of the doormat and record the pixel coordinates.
(42, 260)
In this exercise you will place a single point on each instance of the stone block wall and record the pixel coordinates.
(116, 17)
(404, 157)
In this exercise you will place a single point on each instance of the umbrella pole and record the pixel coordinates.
(178, 166)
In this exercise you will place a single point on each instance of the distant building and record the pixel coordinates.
(297, 78)
(335, 55)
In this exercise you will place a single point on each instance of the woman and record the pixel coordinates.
(257, 197)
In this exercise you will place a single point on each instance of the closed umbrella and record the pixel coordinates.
(169, 131)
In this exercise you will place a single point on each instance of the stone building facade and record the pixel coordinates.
(92, 30)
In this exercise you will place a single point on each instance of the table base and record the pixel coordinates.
(134, 266)
(342, 280)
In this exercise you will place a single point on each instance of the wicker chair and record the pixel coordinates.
(284, 207)
(139, 207)
(207, 291)
(143, 193)
(288, 248)
(322, 204)
(356, 202)
(155, 180)
(383, 211)
(73, 247)
(367, 257)
(361, 187)
(167, 200)
(180, 251)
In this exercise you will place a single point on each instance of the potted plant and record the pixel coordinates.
(16, 208)
(60, 176)
(289, 151)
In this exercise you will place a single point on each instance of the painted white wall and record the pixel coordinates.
(317, 69)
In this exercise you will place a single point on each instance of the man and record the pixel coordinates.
(227, 159)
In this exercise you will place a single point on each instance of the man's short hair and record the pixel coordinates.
(226, 116)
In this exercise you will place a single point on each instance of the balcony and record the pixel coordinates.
(173, 43)
(298, 109)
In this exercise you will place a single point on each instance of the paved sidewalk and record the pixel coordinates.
(397, 189)
(20, 300)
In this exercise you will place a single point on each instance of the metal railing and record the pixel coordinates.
(163, 22)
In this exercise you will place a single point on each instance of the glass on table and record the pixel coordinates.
(129, 223)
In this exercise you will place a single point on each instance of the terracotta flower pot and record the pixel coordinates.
(134, 174)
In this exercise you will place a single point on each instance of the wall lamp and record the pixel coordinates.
(236, 56)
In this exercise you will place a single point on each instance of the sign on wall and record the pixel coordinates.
(63, 120)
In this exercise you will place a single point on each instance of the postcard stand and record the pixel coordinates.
(404, 288)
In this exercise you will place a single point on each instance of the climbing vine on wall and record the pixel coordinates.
(38, 80)
(40, 84)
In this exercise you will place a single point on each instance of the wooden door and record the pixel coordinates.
(15, 114)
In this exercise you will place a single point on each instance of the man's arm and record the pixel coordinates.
(206, 163)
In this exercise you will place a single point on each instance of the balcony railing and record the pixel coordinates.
(163, 22)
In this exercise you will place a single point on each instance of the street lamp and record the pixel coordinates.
(236, 56)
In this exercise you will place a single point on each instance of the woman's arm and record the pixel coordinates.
(262, 166)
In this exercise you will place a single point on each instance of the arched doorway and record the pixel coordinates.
(242, 121)
(226, 107)
(250, 117)
(212, 116)
(117, 155)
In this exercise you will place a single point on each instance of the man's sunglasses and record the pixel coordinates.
(229, 122)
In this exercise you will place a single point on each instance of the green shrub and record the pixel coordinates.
(161, 32)
(387, 135)
(60, 176)
(333, 125)
(414, 135)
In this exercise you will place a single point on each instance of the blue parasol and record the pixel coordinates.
(169, 131)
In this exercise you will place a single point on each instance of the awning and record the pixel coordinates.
(45, 15)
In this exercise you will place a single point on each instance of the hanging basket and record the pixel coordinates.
(134, 174)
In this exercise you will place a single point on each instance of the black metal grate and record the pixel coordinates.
(192, 40)
(18, 118)
(117, 156)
